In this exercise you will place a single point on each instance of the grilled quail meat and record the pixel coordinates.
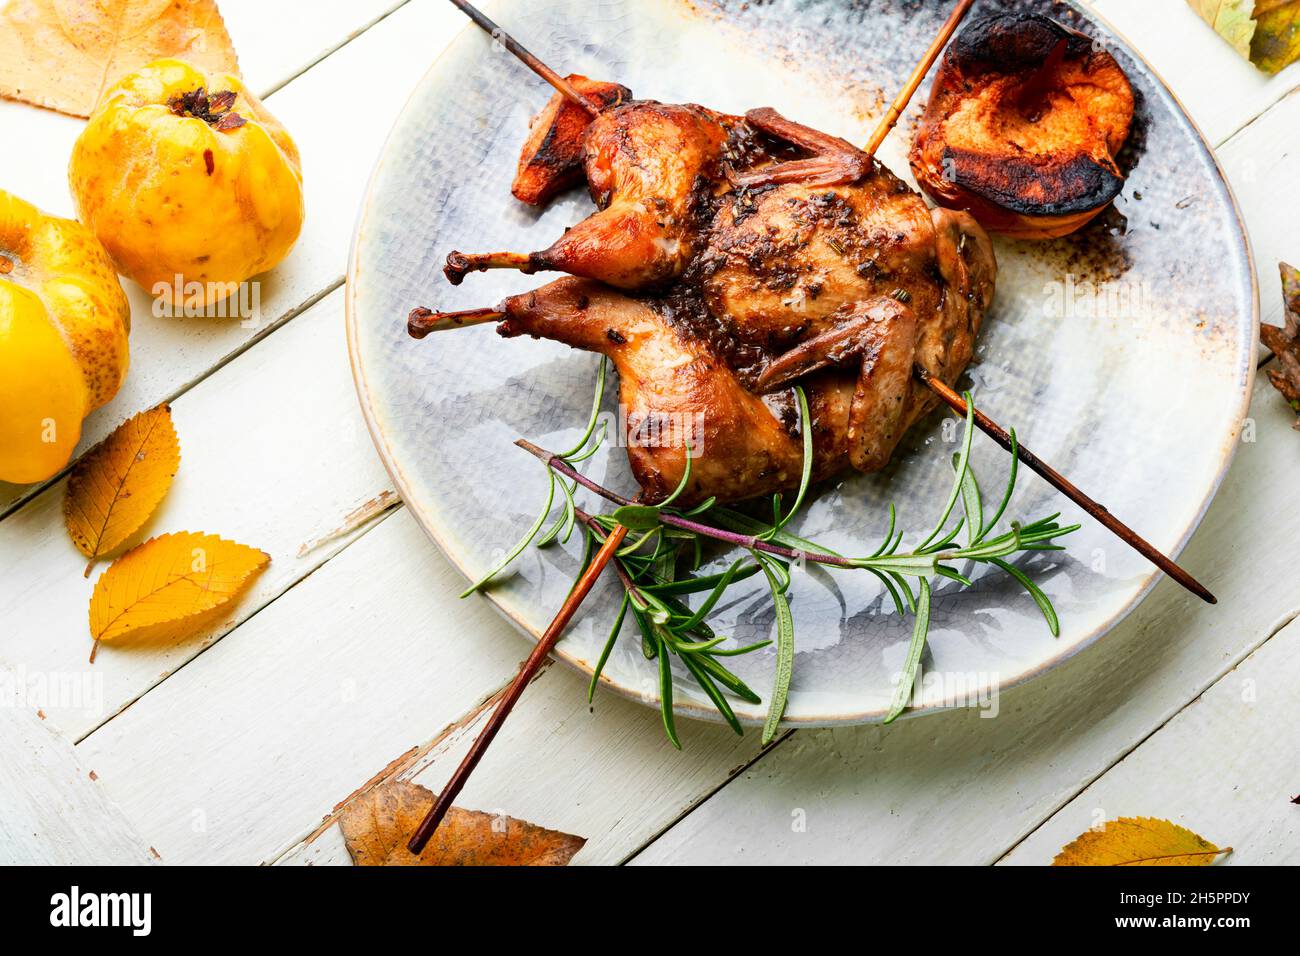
(731, 258)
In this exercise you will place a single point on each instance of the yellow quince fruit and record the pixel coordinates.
(64, 321)
(187, 180)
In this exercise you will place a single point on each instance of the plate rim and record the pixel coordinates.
(691, 709)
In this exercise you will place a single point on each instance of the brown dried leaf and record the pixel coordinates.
(117, 485)
(1285, 342)
(377, 825)
(63, 54)
(1139, 841)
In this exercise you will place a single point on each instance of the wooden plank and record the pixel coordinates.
(1260, 160)
(1257, 158)
(1220, 90)
(273, 454)
(368, 667)
(278, 41)
(351, 97)
(1225, 767)
(355, 765)
(605, 773)
(623, 828)
(54, 813)
(347, 677)
(559, 767)
(959, 787)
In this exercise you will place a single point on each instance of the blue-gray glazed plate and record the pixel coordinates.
(1124, 356)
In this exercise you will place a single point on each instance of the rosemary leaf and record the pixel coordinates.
(595, 410)
(963, 462)
(903, 692)
(946, 572)
(1011, 483)
(523, 542)
(649, 648)
(1035, 592)
(695, 585)
(564, 521)
(666, 696)
(715, 696)
(681, 485)
(712, 599)
(889, 534)
(609, 646)
(728, 679)
(805, 476)
(737, 651)
(893, 591)
(972, 504)
(784, 652)
(702, 507)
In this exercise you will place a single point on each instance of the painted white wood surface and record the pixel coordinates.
(353, 661)
(51, 809)
(1225, 767)
(960, 788)
(274, 454)
(340, 679)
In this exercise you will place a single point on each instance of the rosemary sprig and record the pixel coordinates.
(647, 566)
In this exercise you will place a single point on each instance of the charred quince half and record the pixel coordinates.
(63, 337)
(1023, 126)
(188, 181)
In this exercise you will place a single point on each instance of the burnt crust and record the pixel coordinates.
(1076, 184)
(1005, 43)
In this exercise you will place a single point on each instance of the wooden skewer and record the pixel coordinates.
(423, 321)
(914, 81)
(527, 58)
(420, 323)
(1067, 488)
(544, 647)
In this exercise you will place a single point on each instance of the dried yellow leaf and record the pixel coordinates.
(114, 489)
(63, 54)
(377, 825)
(1266, 32)
(168, 580)
(1139, 841)
(1276, 43)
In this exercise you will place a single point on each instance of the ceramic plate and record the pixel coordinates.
(1124, 355)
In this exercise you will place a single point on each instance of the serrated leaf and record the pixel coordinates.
(1266, 32)
(119, 483)
(1139, 841)
(170, 579)
(377, 825)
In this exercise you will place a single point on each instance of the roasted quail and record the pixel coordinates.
(731, 258)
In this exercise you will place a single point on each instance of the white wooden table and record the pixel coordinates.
(352, 662)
